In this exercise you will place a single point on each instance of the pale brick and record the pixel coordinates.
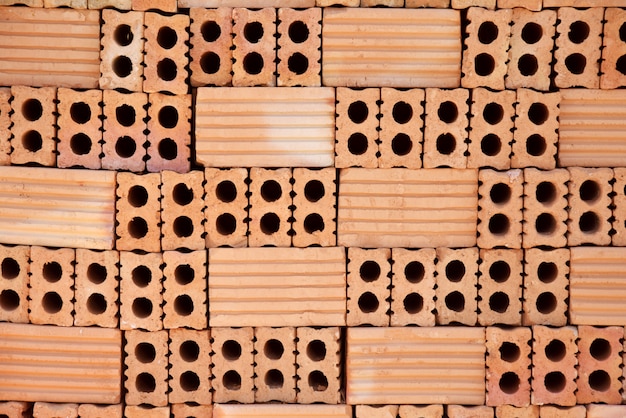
(55, 410)
(29, 3)
(190, 367)
(146, 368)
(460, 411)
(14, 281)
(121, 56)
(510, 411)
(255, 47)
(185, 286)
(146, 411)
(442, 4)
(319, 365)
(464, 4)
(103, 4)
(270, 207)
(275, 364)
(299, 47)
(5, 124)
(500, 287)
(528, 4)
(508, 366)
(457, 283)
(357, 127)
(141, 291)
(551, 411)
(605, 411)
(74, 4)
(100, 411)
(169, 124)
(384, 3)
(233, 364)
(162, 5)
(51, 286)
(182, 410)
(346, 3)
(420, 411)
(14, 409)
(619, 210)
(369, 282)
(182, 210)
(314, 201)
(613, 65)
(211, 43)
(378, 411)
(96, 288)
(226, 201)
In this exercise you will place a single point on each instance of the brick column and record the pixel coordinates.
(15, 409)
(185, 287)
(146, 368)
(460, 411)
(54, 410)
(182, 210)
(233, 365)
(141, 291)
(270, 207)
(190, 367)
(299, 43)
(500, 287)
(5, 124)
(96, 283)
(169, 139)
(613, 65)
(226, 202)
(413, 287)
(420, 411)
(315, 212)
(183, 410)
(100, 411)
(369, 282)
(457, 286)
(33, 125)
(551, 411)
(51, 286)
(619, 210)
(378, 411)
(446, 126)
(255, 47)
(510, 411)
(14, 280)
(508, 366)
(146, 411)
(211, 42)
(275, 364)
(319, 365)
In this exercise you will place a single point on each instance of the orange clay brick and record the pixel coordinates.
(461, 411)
(528, 4)
(299, 47)
(14, 409)
(420, 411)
(233, 364)
(319, 365)
(357, 127)
(275, 364)
(508, 366)
(500, 287)
(169, 139)
(619, 211)
(96, 288)
(146, 368)
(162, 5)
(141, 291)
(377, 411)
(182, 410)
(457, 286)
(211, 46)
(270, 207)
(185, 287)
(190, 367)
(605, 411)
(255, 47)
(315, 211)
(14, 280)
(613, 65)
(226, 212)
(100, 411)
(146, 411)
(55, 410)
(103, 4)
(510, 411)
(553, 411)
(5, 124)
(369, 283)
(182, 210)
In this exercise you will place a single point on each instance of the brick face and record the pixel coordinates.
(211, 42)
(457, 286)
(357, 127)
(255, 47)
(319, 363)
(369, 285)
(14, 281)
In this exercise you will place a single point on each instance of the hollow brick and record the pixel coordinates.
(457, 286)
(141, 291)
(146, 411)
(124, 131)
(51, 286)
(401, 128)
(545, 208)
(531, 32)
(536, 124)
(211, 46)
(413, 287)
(55, 410)
(104, 4)
(420, 411)
(619, 207)
(486, 46)
(169, 124)
(624, 370)
(605, 411)
(182, 410)
(270, 207)
(319, 364)
(275, 364)
(146, 367)
(138, 209)
(500, 287)
(299, 47)
(14, 280)
(161, 5)
(166, 52)
(534, 5)
(554, 366)
(233, 360)
(100, 411)
(5, 124)
(33, 125)
(96, 283)
(446, 125)
(491, 129)
(80, 127)
(74, 4)
(377, 411)
(226, 201)
(441, 4)
(14, 409)
(613, 65)
(508, 366)
(122, 44)
(190, 367)
(553, 411)
(255, 47)
(185, 289)
(510, 411)
(461, 411)
(314, 201)
(182, 210)
(357, 127)
(500, 201)
(369, 283)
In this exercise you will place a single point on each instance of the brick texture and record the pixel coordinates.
(508, 366)
(500, 287)
(275, 364)
(457, 286)
(369, 283)
(100, 411)
(141, 291)
(190, 367)
(146, 368)
(96, 288)
(613, 66)
(5, 124)
(319, 365)
(270, 207)
(182, 210)
(619, 211)
(233, 370)
(185, 289)
(299, 47)
(226, 201)
(255, 47)
(211, 43)
(14, 281)
(314, 202)
(357, 127)
(54, 410)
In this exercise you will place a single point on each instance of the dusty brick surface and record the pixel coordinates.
(181, 410)
(169, 139)
(508, 366)
(233, 360)
(163, 5)
(457, 286)
(141, 291)
(146, 368)
(190, 367)
(5, 124)
(420, 411)
(605, 411)
(319, 365)
(182, 210)
(612, 67)
(100, 411)
(211, 42)
(14, 409)
(500, 287)
(185, 289)
(255, 47)
(368, 286)
(299, 52)
(510, 411)
(141, 411)
(55, 410)
(226, 202)
(122, 42)
(461, 411)
(357, 127)
(553, 411)
(96, 288)
(14, 281)
(315, 220)
(378, 411)
(275, 364)
(270, 207)
(619, 212)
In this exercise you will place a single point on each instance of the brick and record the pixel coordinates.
(146, 367)
(420, 411)
(401, 128)
(491, 129)
(29, 3)
(500, 287)
(346, 3)
(545, 208)
(255, 47)
(141, 297)
(139, 212)
(270, 207)
(182, 410)
(146, 411)
(500, 199)
(357, 127)
(121, 56)
(583, 3)
(14, 280)
(103, 4)
(460, 411)
(531, 31)
(80, 128)
(299, 47)
(190, 367)
(226, 201)
(534, 5)
(378, 411)
(15, 409)
(5, 124)
(185, 290)
(442, 4)
(275, 364)
(211, 46)
(464, 4)
(510, 411)
(54, 410)
(33, 125)
(182, 210)
(369, 283)
(315, 207)
(619, 210)
(319, 371)
(384, 3)
(550, 411)
(100, 411)
(487, 44)
(282, 410)
(457, 283)
(445, 134)
(51, 286)
(169, 139)
(74, 4)
(124, 131)
(166, 49)
(554, 366)
(605, 411)
(96, 288)
(233, 368)
(413, 287)
(508, 366)
(162, 5)
(613, 65)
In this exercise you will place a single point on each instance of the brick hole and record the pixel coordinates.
(270, 223)
(493, 113)
(210, 31)
(141, 276)
(599, 380)
(137, 196)
(538, 113)
(80, 112)
(448, 112)
(509, 383)
(273, 349)
(274, 379)
(620, 64)
(182, 194)
(9, 300)
(491, 145)
(527, 65)
(358, 111)
(578, 32)
(271, 191)
(137, 227)
(314, 190)
(226, 191)
(125, 115)
(499, 224)
(122, 66)
(499, 271)
(253, 32)
(80, 144)
(317, 381)
(484, 64)
(554, 382)
(225, 224)
(32, 141)
(545, 192)
(183, 305)
(622, 32)
(142, 307)
(545, 224)
(183, 227)
(455, 301)
(167, 69)
(189, 381)
(589, 191)
(446, 144)
(589, 222)
(32, 110)
(96, 273)
(231, 350)
(487, 32)
(253, 63)
(413, 303)
(455, 270)
(184, 274)
(401, 144)
(145, 352)
(167, 37)
(368, 302)
(499, 302)
(536, 145)
(547, 271)
(168, 117)
(52, 302)
(298, 63)
(509, 352)
(316, 350)
(500, 193)
(402, 112)
(52, 272)
(210, 62)
(357, 143)
(313, 222)
(168, 149)
(125, 146)
(600, 349)
(369, 271)
(546, 303)
(123, 35)
(189, 351)
(144, 382)
(532, 33)
(96, 304)
(231, 380)
(298, 32)
(10, 268)
(414, 272)
(576, 63)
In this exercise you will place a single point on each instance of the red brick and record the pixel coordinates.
(551, 411)
(420, 411)
(270, 207)
(457, 283)
(190, 367)
(369, 282)
(185, 288)
(96, 288)
(14, 280)
(255, 47)
(509, 411)
(226, 201)
(146, 368)
(169, 139)
(141, 291)
(376, 411)
(315, 215)
(500, 287)
(211, 43)
(146, 411)
(460, 411)
(357, 127)
(182, 210)
(162, 5)
(299, 47)
(508, 366)
(233, 365)
(318, 356)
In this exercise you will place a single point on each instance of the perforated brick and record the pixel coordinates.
(457, 286)
(96, 288)
(185, 286)
(190, 367)
(182, 210)
(146, 368)
(314, 213)
(122, 41)
(275, 364)
(169, 139)
(319, 365)
(508, 366)
(226, 200)
(211, 43)
(369, 285)
(141, 291)
(270, 207)
(14, 280)
(299, 47)
(613, 65)
(357, 127)
(500, 287)
(619, 211)
(255, 47)
(233, 360)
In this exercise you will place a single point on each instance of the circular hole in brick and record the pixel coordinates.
(313, 222)
(484, 64)
(499, 302)
(226, 191)
(455, 270)
(500, 193)
(545, 192)
(145, 353)
(589, 222)
(401, 144)
(182, 194)
(189, 381)
(578, 32)
(142, 308)
(231, 380)
(620, 64)
(538, 113)
(599, 380)
(446, 144)
(448, 112)
(576, 63)
(183, 227)
(316, 350)
(96, 304)
(271, 191)
(80, 144)
(167, 69)
(357, 144)
(413, 303)
(298, 63)
(532, 33)
(274, 379)
(141, 276)
(32, 141)
(125, 147)
(168, 117)
(32, 109)
(455, 301)
(167, 37)
(536, 145)
(145, 383)
(546, 303)
(9, 300)
(314, 190)
(545, 224)
(487, 32)
(499, 224)
(189, 351)
(231, 350)
(253, 32)
(226, 224)
(414, 272)
(402, 112)
(554, 382)
(125, 115)
(589, 191)
(10, 268)
(499, 271)
(253, 63)
(183, 305)
(210, 62)
(80, 112)
(184, 274)
(600, 349)
(210, 31)
(317, 381)
(358, 111)
(52, 302)
(52, 272)
(298, 32)
(369, 271)
(137, 228)
(527, 65)
(509, 352)
(123, 35)
(622, 32)
(273, 349)
(509, 383)
(122, 66)
(491, 145)
(137, 196)
(96, 273)
(368, 302)
(547, 271)
(493, 113)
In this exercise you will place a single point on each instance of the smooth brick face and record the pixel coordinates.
(182, 410)
(96, 288)
(102, 4)
(457, 286)
(528, 4)
(357, 127)
(255, 47)
(613, 64)
(5, 124)
(51, 286)
(211, 42)
(315, 207)
(508, 366)
(141, 411)
(460, 411)
(500, 287)
(299, 52)
(182, 208)
(226, 202)
(146, 368)
(379, 411)
(319, 365)
(185, 286)
(164, 5)
(14, 280)
(190, 367)
(54, 410)
(169, 124)
(605, 411)
(270, 207)
(427, 3)
(122, 49)
(141, 291)
(550, 411)
(619, 212)
(421, 411)
(510, 411)
(233, 361)
(368, 286)
(275, 364)
(100, 411)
